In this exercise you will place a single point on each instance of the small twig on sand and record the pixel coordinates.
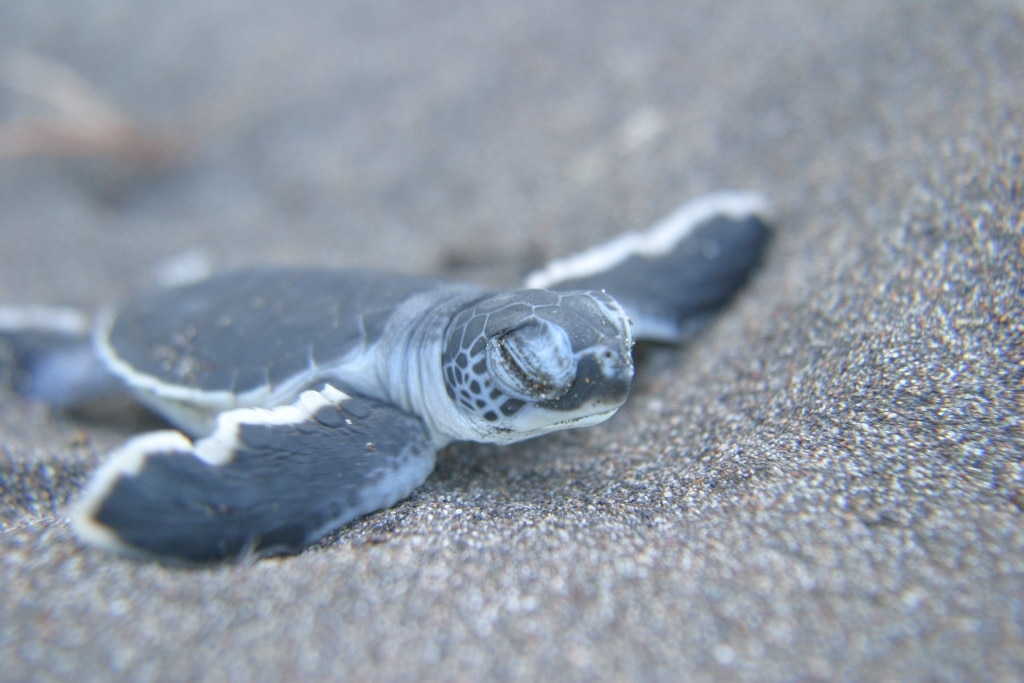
(82, 121)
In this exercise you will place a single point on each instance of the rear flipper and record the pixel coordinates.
(46, 354)
(265, 482)
(673, 278)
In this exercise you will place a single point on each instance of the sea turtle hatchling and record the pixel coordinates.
(318, 396)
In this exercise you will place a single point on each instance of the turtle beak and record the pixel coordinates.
(603, 375)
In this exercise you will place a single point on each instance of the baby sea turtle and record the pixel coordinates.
(317, 396)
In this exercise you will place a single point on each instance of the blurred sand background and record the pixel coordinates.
(826, 485)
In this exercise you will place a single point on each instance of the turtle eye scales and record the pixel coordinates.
(533, 362)
(502, 353)
(523, 363)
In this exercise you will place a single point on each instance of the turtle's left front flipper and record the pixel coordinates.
(264, 482)
(674, 277)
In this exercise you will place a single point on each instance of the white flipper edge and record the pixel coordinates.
(266, 481)
(56, 319)
(660, 238)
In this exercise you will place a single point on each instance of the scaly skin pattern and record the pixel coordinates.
(527, 362)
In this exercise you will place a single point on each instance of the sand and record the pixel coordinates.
(826, 485)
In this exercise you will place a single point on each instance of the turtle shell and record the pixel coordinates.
(253, 330)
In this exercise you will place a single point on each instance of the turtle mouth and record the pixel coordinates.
(601, 385)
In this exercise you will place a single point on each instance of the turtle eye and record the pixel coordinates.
(533, 362)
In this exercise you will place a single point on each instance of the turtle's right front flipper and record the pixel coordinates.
(46, 354)
(674, 277)
(264, 482)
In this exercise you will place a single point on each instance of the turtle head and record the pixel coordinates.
(523, 363)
